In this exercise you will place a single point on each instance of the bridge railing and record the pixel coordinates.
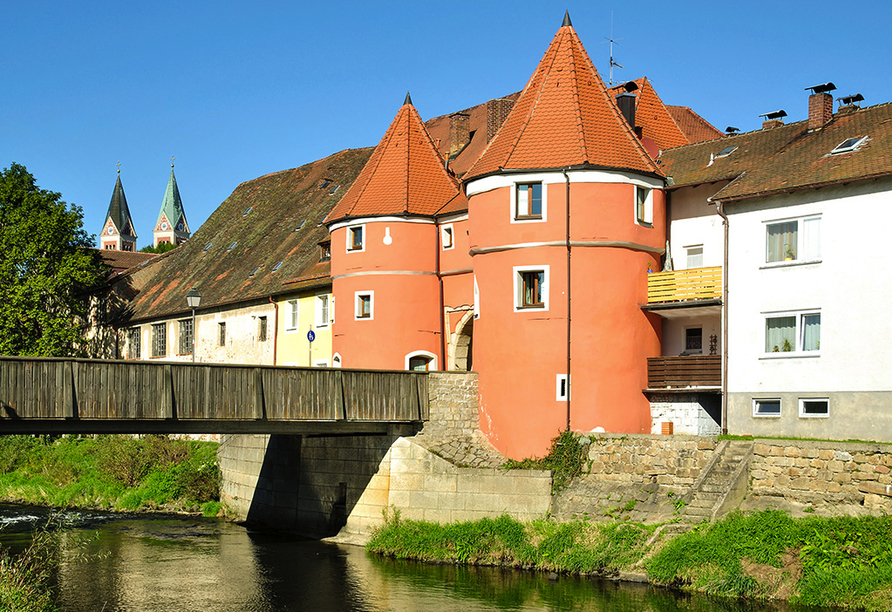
(54, 388)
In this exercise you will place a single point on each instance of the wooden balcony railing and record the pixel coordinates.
(684, 285)
(683, 372)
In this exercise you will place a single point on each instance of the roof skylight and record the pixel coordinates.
(232, 246)
(208, 246)
(245, 214)
(277, 266)
(726, 151)
(299, 225)
(334, 190)
(849, 144)
(255, 271)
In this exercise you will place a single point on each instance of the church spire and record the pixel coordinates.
(118, 232)
(171, 226)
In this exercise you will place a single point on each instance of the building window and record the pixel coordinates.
(693, 341)
(446, 237)
(849, 144)
(365, 304)
(261, 329)
(322, 311)
(355, 240)
(531, 288)
(159, 339)
(767, 407)
(793, 240)
(528, 201)
(421, 361)
(185, 327)
(221, 334)
(814, 408)
(562, 387)
(476, 299)
(695, 256)
(644, 205)
(793, 333)
(325, 251)
(134, 343)
(292, 320)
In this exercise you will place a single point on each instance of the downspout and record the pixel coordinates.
(443, 365)
(721, 211)
(275, 327)
(567, 181)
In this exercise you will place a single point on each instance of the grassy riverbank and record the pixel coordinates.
(818, 561)
(111, 473)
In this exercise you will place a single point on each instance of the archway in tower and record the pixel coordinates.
(464, 344)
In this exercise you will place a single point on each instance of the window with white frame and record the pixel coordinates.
(814, 407)
(446, 237)
(322, 310)
(795, 332)
(562, 387)
(134, 343)
(159, 339)
(356, 238)
(793, 240)
(767, 407)
(644, 205)
(421, 361)
(291, 316)
(694, 256)
(528, 202)
(531, 287)
(365, 305)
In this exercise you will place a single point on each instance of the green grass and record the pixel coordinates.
(575, 547)
(566, 458)
(844, 561)
(110, 472)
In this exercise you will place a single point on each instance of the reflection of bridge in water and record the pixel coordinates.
(57, 395)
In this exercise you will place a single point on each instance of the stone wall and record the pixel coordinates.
(823, 473)
(642, 458)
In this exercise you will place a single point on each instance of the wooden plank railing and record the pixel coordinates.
(56, 388)
(682, 372)
(684, 285)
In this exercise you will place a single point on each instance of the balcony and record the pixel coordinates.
(697, 291)
(688, 372)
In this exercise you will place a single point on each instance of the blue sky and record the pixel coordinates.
(236, 90)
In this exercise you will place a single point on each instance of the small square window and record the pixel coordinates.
(644, 209)
(767, 407)
(562, 387)
(811, 407)
(693, 340)
(221, 334)
(446, 234)
(355, 238)
(531, 288)
(528, 203)
(365, 305)
(325, 251)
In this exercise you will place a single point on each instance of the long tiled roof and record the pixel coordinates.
(120, 261)
(564, 117)
(695, 127)
(271, 219)
(653, 117)
(788, 157)
(404, 176)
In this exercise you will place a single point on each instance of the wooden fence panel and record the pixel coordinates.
(688, 371)
(380, 396)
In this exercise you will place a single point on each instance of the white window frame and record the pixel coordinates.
(767, 415)
(323, 322)
(804, 415)
(357, 311)
(292, 320)
(518, 288)
(646, 218)
(799, 331)
(351, 229)
(432, 366)
(800, 242)
(562, 387)
(691, 250)
(447, 230)
(513, 210)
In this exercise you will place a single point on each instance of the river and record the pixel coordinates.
(160, 563)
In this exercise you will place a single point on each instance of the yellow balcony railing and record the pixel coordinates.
(684, 285)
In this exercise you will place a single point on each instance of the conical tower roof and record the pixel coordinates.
(564, 117)
(404, 176)
(118, 211)
(172, 205)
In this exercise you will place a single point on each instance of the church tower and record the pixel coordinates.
(117, 233)
(171, 226)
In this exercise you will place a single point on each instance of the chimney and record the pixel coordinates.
(773, 119)
(820, 106)
(496, 113)
(626, 102)
(849, 104)
(459, 132)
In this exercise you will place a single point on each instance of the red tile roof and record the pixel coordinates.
(789, 157)
(695, 127)
(120, 261)
(652, 116)
(564, 117)
(404, 176)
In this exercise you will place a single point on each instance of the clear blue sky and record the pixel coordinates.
(235, 90)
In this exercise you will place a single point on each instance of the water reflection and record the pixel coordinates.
(172, 564)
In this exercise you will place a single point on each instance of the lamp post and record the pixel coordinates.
(193, 299)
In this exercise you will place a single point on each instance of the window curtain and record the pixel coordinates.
(780, 334)
(782, 241)
(811, 332)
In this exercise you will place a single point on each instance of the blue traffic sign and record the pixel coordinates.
(311, 336)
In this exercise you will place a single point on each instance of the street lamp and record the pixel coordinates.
(193, 299)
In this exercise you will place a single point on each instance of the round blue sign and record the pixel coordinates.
(311, 336)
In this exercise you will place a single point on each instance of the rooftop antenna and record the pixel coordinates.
(613, 62)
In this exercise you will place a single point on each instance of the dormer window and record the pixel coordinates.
(849, 144)
(325, 251)
(726, 152)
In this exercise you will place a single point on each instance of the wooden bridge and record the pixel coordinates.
(54, 395)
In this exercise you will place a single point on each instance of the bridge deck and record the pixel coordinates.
(55, 395)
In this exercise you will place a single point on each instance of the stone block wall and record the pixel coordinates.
(823, 473)
(674, 461)
(452, 397)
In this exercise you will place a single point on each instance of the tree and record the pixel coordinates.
(162, 247)
(45, 269)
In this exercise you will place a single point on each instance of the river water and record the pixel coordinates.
(118, 563)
